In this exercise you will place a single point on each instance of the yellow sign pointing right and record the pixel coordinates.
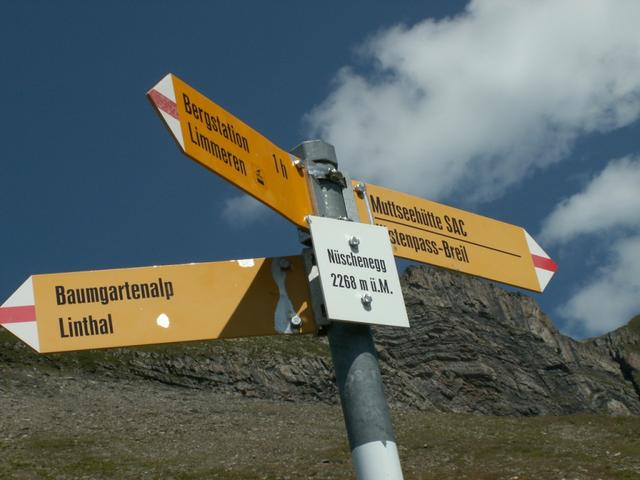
(448, 237)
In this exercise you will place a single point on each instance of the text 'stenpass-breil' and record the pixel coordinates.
(433, 233)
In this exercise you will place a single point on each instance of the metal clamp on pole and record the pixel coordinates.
(315, 289)
(373, 446)
(327, 182)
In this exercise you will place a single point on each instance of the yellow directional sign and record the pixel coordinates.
(227, 146)
(151, 305)
(436, 234)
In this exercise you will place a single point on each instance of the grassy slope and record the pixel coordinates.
(129, 430)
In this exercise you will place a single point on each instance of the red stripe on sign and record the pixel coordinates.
(163, 103)
(18, 314)
(544, 263)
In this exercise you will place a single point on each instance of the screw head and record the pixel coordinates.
(296, 321)
(360, 187)
(366, 299)
(354, 241)
(298, 163)
(284, 263)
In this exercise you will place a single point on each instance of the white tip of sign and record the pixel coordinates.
(165, 87)
(544, 277)
(163, 96)
(246, 263)
(25, 331)
(163, 320)
(544, 266)
(18, 315)
(22, 296)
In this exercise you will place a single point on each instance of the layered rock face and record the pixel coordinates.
(623, 346)
(472, 347)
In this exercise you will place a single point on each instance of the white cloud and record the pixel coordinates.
(474, 103)
(611, 200)
(612, 297)
(243, 210)
(609, 204)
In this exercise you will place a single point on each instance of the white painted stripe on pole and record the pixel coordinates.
(377, 461)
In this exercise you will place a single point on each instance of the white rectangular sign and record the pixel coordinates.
(358, 273)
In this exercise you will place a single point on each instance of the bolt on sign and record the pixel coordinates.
(448, 237)
(153, 305)
(358, 273)
(213, 137)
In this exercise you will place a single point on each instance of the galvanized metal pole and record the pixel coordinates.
(373, 446)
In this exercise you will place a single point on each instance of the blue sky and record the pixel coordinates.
(522, 111)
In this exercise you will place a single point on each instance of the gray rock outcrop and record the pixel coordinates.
(472, 347)
(623, 346)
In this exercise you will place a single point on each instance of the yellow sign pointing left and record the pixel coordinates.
(227, 146)
(151, 305)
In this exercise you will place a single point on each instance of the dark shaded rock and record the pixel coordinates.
(623, 346)
(474, 347)
(278, 377)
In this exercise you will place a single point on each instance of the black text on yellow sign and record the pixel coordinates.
(153, 305)
(448, 237)
(227, 146)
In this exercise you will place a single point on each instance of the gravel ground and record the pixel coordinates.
(55, 426)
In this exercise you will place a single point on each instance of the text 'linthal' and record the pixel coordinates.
(88, 326)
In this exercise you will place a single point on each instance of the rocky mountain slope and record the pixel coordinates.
(623, 346)
(472, 347)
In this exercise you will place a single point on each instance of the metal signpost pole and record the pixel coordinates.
(366, 414)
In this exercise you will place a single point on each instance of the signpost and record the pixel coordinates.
(354, 264)
(358, 273)
(448, 237)
(152, 305)
(366, 415)
(227, 146)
